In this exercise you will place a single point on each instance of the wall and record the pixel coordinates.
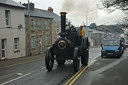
(17, 18)
(36, 32)
(54, 31)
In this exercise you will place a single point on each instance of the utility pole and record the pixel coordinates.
(86, 18)
(29, 27)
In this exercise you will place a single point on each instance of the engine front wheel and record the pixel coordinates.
(49, 59)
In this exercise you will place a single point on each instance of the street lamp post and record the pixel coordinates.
(29, 27)
(87, 16)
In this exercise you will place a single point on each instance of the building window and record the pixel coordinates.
(7, 17)
(57, 27)
(46, 24)
(32, 24)
(3, 48)
(40, 24)
(46, 39)
(33, 42)
(16, 44)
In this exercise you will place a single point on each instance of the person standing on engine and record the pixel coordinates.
(82, 31)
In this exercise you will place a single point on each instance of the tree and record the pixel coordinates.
(112, 5)
(110, 28)
(93, 26)
(124, 22)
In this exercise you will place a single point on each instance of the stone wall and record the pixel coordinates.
(37, 33)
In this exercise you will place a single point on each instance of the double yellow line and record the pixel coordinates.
(74, 77)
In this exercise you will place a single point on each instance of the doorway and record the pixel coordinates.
(40, 37)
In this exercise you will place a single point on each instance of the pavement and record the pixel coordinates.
(14, 61)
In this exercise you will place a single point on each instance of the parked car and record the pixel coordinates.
(111, 47)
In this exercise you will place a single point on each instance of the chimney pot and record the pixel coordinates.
(20, 2)
(50, 9)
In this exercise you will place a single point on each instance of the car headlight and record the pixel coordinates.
(61, 44)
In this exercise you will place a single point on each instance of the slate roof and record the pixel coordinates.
(11, 3)
(44, 14)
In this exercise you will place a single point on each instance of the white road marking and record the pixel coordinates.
(42, 67)
(20, 74)
(15, 79)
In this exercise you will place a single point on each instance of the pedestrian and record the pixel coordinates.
(82, 31)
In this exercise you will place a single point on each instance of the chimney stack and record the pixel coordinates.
(50, 9)
(30, 4)
(20, 2)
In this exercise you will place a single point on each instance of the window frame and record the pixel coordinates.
(46, 24)
(57, 30)
(7, 18)
(32, 41)
(40, 24)
(16, 44)
(47, 39)
(32, 24)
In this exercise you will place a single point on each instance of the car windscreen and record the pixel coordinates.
(111, 42)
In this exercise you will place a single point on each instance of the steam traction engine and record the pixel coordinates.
(68, 46)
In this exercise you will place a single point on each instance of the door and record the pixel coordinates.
(3, 48)
(40, 43)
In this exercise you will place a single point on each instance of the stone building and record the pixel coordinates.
(44, 27)
(12, 30)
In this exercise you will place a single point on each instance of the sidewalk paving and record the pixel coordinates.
(7, 62)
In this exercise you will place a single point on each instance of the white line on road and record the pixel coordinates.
(20, 74)
(15, 79)
(93, 58)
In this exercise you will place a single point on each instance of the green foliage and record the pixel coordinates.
(110, 28)
(93, 26)
(117, 4)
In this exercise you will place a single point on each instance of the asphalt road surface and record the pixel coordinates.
(106, 71)
(35, 73)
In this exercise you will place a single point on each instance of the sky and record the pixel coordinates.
(78, 10)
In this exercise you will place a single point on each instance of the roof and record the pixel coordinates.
(43, 13)
(11, 3)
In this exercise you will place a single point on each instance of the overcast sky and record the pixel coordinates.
(77, 9)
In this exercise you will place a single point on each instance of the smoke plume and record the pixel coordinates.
(77, 9)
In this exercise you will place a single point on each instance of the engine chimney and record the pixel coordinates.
(63, 21)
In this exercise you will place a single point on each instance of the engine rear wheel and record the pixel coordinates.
(49, 59)
(85, 51)
(76, 60)
(84, 58)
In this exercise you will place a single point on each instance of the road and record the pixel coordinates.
(35, 73)
(106, 71)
